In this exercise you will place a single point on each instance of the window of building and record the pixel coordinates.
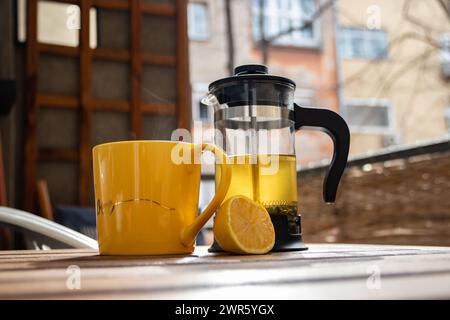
(58, 23)
(198, 21)
(369, 115)
(200, 111)
(282, 15)
(445, 55)
(203, 111)
(447, 117)
(363, 43)
(304, 96)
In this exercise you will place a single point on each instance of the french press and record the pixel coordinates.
(255, 119)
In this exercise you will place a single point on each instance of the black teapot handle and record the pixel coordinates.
(337, 129)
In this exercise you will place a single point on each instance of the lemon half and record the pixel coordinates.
(244, 226)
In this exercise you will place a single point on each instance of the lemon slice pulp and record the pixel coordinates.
(244, 226)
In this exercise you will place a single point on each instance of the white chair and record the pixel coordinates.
(42, 234)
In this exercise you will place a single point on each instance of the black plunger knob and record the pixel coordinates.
(250, 69)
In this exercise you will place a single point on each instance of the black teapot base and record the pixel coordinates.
(288, 236)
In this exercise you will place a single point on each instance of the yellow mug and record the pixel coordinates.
(146, 195)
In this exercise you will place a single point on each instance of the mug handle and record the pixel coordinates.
(190, 232)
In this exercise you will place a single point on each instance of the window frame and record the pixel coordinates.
(191, 35)
(343, 35)
(272, 11)
(374, 103)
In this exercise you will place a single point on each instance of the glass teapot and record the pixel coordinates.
(255, 120)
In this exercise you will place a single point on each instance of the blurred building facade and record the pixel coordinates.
(383, 65)
(393, 63)
(308, 57)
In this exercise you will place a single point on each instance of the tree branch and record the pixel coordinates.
(445, 6)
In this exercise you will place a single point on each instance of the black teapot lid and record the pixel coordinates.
(251, 84)
(250, 72)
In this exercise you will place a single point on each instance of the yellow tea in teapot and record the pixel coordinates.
(270, 180)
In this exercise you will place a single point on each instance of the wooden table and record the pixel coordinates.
(322, 272)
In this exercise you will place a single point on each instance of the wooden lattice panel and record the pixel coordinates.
(131, 58)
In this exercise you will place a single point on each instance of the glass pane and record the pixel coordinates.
(447, 118)
(158, 127)
(357, 45)
(159, 84)
(110, 80)
(158, 34)
(51, 134)
(308, 7)
(308, 32)
(58, 23)
(203, 111)
(363, 43)
(62, 180)
(198, 21)
(50, 81)
(109, 126)
(255, 27)
(368, 116)
(378, 44)
(114, 29)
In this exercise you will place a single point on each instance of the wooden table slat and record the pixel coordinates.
(324, 271)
